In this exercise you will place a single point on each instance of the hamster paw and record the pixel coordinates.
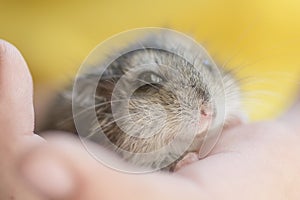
(186, 160)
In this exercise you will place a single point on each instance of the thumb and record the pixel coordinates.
(16, 104)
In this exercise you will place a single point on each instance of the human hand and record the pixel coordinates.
(16, 121)
(254, 161)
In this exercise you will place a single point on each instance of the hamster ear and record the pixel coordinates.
(16, 104)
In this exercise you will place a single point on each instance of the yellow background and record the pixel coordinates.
(261, 36)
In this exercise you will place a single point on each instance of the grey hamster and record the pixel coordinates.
(171, 98)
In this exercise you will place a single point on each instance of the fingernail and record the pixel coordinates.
(47, 175)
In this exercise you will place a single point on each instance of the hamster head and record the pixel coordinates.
(151, 98)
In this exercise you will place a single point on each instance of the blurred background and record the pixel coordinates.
(258, 38)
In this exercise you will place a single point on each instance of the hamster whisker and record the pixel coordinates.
(110, 123)
(120, 118)
(86, 109)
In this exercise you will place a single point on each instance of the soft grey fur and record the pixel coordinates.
(172, 105)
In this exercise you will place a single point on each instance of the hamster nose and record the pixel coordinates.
(206, 117)
(206, 111)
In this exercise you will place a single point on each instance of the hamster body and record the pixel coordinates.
(171, 98)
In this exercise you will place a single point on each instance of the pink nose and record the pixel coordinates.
(206, 117)
(206, 111)
(203, 113)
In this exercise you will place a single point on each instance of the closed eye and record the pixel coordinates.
(151, 77)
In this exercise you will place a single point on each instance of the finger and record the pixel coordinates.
(76, 175)
(16, 104)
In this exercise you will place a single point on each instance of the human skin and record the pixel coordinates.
(250, 161)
